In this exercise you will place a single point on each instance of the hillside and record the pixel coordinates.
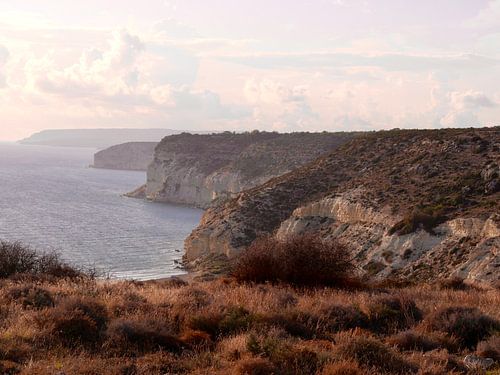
(411, 203)
(198, 169)
(95, 138)
(133, 156)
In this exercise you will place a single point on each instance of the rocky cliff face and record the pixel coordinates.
(133, 156)
(419, 204)
(200, 169)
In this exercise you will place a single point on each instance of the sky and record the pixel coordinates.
(283, 65)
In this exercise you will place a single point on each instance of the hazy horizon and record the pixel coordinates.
(333, 65)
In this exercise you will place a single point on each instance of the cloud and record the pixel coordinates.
(390, 62)
(487, 18)
(280, 106)
(174, 29)
(464, 107)
(470, 100)
(4, 56)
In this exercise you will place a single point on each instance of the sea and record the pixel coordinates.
(52, 200)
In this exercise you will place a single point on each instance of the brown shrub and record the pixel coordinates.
(130, 303)
(467, 324)
(369, 352)
(340, 318)
(255, 366)
(160, 363)
(82, 365)
(15, 349)
(76, 321)
(297, 361)
(489, 348)
(415, 341)
(426, 219)
(192, 299)
(234, 319)
(9, 368)
(342, 368)
(132, 338)
(19, 259)
(439, 362)
(452, 283)
(30, 296)
(304, 260)
(391, 313)
(295, 323)
(196, 339)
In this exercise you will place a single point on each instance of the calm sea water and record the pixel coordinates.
(50, 199)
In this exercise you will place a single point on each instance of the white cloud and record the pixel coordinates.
(4, 55)
(389, 62)
(280, 106)
(464, 107)
(487, 18)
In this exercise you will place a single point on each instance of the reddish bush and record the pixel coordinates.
(340, 318)
(342, 368)
(30, 296)
(386, 314)
(298, 324)
(196, 339)
(415, 341)
(371, 353)
(452, 283)
(76, 321)
(490, 348)
(233, 320)
(467, 324)
(132, 338)
(255, 366)
(304, 260)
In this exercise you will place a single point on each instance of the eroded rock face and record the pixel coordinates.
(132, 156)
(200, 169)
(360, 193)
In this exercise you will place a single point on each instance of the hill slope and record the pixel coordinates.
(133, 156)
(419, 203)
(95, 138)
(196, 169)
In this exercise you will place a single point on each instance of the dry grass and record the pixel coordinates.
(99, 327)
(87, 326)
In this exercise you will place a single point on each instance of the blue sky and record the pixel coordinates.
(301, 65)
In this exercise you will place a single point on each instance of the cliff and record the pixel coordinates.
(133, 156)
(416, 203)
(95, 138)
(200, 169)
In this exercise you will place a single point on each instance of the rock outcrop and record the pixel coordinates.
(200, 169)
(421, 204)
(132, 156)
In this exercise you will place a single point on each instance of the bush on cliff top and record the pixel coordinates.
(304, 260)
